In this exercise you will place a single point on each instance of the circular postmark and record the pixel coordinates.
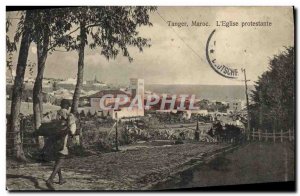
(221, 69)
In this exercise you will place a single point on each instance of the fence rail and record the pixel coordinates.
(265, 135)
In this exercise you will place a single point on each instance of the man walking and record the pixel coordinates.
(60, 139)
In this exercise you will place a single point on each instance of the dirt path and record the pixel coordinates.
(135, 169)
(252, 163)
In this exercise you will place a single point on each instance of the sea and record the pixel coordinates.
(210, 92)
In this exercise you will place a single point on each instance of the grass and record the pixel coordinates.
(26, 107)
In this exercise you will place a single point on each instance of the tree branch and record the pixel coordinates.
(61, 50)
(55, 44)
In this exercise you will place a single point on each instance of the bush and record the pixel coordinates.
(78, 150)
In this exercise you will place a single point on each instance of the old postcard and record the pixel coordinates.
(149, 98)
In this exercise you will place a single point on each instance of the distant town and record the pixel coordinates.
(54, 90)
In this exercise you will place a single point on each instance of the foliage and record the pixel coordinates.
(10, 45)
(274, 95)
(51, 20)
(117, 29)
(112, 29)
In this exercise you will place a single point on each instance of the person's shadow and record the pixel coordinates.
(32, 179)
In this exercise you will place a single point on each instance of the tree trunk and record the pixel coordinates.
(38, 108)
(12, 75)
(15, 137)
(79, 83)
(42, 51)
(80, 69)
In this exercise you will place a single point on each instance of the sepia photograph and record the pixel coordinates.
(150, 98)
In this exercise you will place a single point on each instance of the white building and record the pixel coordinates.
(234, 106)
(123, 110)
(200, 112)
(137, 87)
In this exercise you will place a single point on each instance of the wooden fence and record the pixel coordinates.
(265, 135)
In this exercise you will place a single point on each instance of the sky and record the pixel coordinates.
(177, 54)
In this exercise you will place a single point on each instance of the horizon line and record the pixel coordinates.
(198, 84)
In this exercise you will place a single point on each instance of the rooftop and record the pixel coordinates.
(115, 93)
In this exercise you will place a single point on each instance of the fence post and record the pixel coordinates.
(281, 136)
(274, 139)
(22, 127)
(253, 134)
(259, 136)
(266, 135)
(248, 134)
(290, 138)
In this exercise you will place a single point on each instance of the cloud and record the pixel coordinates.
(177, 55)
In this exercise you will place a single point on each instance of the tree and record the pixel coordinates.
(273, 97)
(42, 39)
(10, 47)
(48, 31)
(112, 29)
(14, 129)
